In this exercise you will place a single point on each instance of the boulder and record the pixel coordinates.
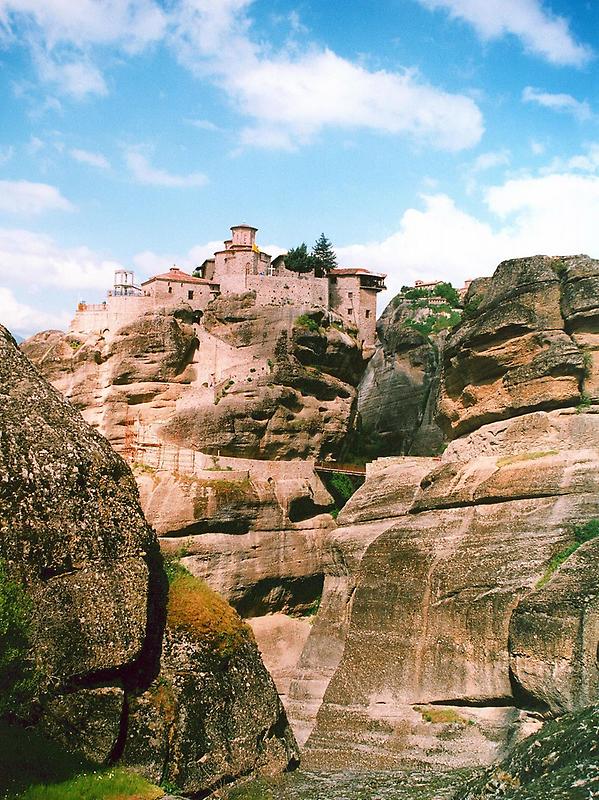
(108, 655)
(559, 762)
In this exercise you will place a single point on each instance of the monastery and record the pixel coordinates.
(239, 267)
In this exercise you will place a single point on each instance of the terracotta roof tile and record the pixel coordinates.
(177, 275)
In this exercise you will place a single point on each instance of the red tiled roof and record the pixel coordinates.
(356, 271)
(177, 275)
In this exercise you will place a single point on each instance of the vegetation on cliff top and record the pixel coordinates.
(200, 611)
(320, 260)
(430, 315)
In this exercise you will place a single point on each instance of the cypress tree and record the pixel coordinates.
(323, 255)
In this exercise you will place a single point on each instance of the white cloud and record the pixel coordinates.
(537, 148)
(203, 124)
(540, 31)
(292, 97)
(77, 78)
(25, 320)
(93, 159)
(61, 33)
(486, 161)
(25, 197)
(553, 214)
(41, 262)
(558, 102)
(289, 93)
(145, 173)
(132, 24)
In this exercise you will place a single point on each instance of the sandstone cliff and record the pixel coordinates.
(241, 380)
(461, 600)
(530, 342)
(73, 533)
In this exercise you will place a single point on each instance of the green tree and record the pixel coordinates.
(299, 260)
(323, 255)
(450, 294)
(17, 677)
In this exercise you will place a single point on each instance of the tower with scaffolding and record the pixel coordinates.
(124, 284)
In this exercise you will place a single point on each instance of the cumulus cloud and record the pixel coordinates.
(292, 96)
(558, 102)
(92, 159)
(43, 262)
(289, 94)
(27, 198)
(61, 35)
(24, 320)
(540, 31)
(145, 173)
(132, 24)
(552, 214)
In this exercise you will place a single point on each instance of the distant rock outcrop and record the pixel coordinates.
(397, 395)
(73, 533)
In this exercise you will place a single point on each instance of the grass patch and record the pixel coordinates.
(112, 784)
(198, 610)
(34, 768)
(507, 460)
(138, 466)
(580, 535)
(441, 716)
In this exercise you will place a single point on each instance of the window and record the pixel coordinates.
(190, 295)
(170, 289)
(350, 295)
(350, 311)
(367, 313)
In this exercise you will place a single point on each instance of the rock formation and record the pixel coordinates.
(242, 380)
(73, 533)
(457, 612)
(531, 343)
(397, 395)
(457, 609)
(560, 762)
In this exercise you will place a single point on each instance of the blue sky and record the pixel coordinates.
(427, 138)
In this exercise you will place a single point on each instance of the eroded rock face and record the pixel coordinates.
(72, 531)
(449, 649)
(245, 381)
(530, 343)
(397, 395)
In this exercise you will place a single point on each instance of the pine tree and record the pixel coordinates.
(299, 260)
(323, 255)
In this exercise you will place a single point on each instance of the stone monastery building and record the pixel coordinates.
(239, 267)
